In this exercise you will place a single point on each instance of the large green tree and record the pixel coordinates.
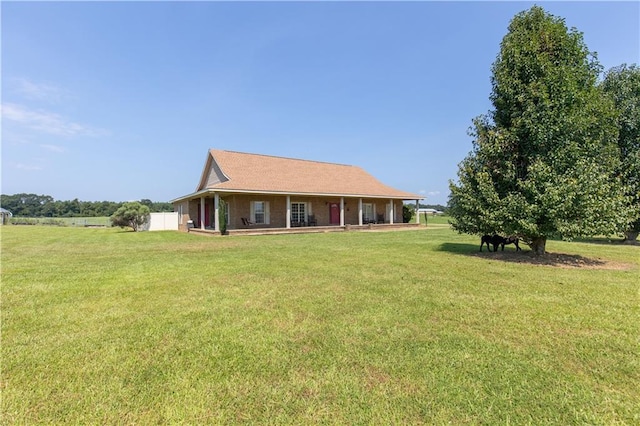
(544, 158)
(622, 84)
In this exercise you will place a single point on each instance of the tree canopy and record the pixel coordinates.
(622, 84)
(544, 159)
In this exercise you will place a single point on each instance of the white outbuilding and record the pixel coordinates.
(5, 215)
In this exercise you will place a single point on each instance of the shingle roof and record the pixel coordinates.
(230, 170)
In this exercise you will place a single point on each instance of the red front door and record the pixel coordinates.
(207, 216)
(334, 214)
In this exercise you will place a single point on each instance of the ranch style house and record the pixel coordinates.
(266, 194)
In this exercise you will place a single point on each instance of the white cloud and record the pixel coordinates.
(52, 148)
(430, 193)
(36, 91)
(27, 167)
(45, 121)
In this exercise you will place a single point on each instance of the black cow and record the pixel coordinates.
(496, 241)
(489, 240)
(512, 240)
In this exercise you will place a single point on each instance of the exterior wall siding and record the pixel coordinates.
(215, 175)
(193, 212)
(182, 208)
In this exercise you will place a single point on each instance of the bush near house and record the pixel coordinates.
(407, 213)
(132, 215)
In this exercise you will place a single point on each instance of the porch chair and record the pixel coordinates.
(246, 222)
(311, 220)
(380, 218)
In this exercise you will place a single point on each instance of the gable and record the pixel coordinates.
(215, 175)
(212, 174)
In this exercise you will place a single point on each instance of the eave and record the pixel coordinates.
(209, 191)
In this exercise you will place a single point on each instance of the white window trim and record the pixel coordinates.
(364, 211)
(306, 207)
(267, 218)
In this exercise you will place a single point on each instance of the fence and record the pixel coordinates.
(162, 222)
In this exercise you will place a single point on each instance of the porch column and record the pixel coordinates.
(360, 211)
(216, 211)
(417, 212)
(201, 212)
(288, 220)
(341, 211)
(392, 212)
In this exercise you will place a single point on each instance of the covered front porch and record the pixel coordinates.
(308, 229)
(214, 212)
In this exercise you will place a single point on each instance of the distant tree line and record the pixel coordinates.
(32, 205)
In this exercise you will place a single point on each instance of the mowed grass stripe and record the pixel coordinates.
(105, 326)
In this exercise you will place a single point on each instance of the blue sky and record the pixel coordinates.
(121, 100)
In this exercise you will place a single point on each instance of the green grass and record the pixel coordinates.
(434, 220)
(101, 326)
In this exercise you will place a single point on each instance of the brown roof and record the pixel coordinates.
(236, 171)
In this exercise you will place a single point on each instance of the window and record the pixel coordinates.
(367, 212)
(260, 212)
(298, 212)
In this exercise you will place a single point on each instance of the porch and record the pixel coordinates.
(371, 227)
(242, 214)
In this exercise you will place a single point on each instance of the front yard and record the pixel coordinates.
(105, 326)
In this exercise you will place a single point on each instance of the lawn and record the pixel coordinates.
(102, 326)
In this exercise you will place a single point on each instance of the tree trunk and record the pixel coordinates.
(538, 245)
(631, 237)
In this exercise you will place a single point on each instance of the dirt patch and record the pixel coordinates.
(557, 260)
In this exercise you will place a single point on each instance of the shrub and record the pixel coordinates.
(407, 213)
(132, 215)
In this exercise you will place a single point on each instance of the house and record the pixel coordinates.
(275, 193)
(5, 215)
